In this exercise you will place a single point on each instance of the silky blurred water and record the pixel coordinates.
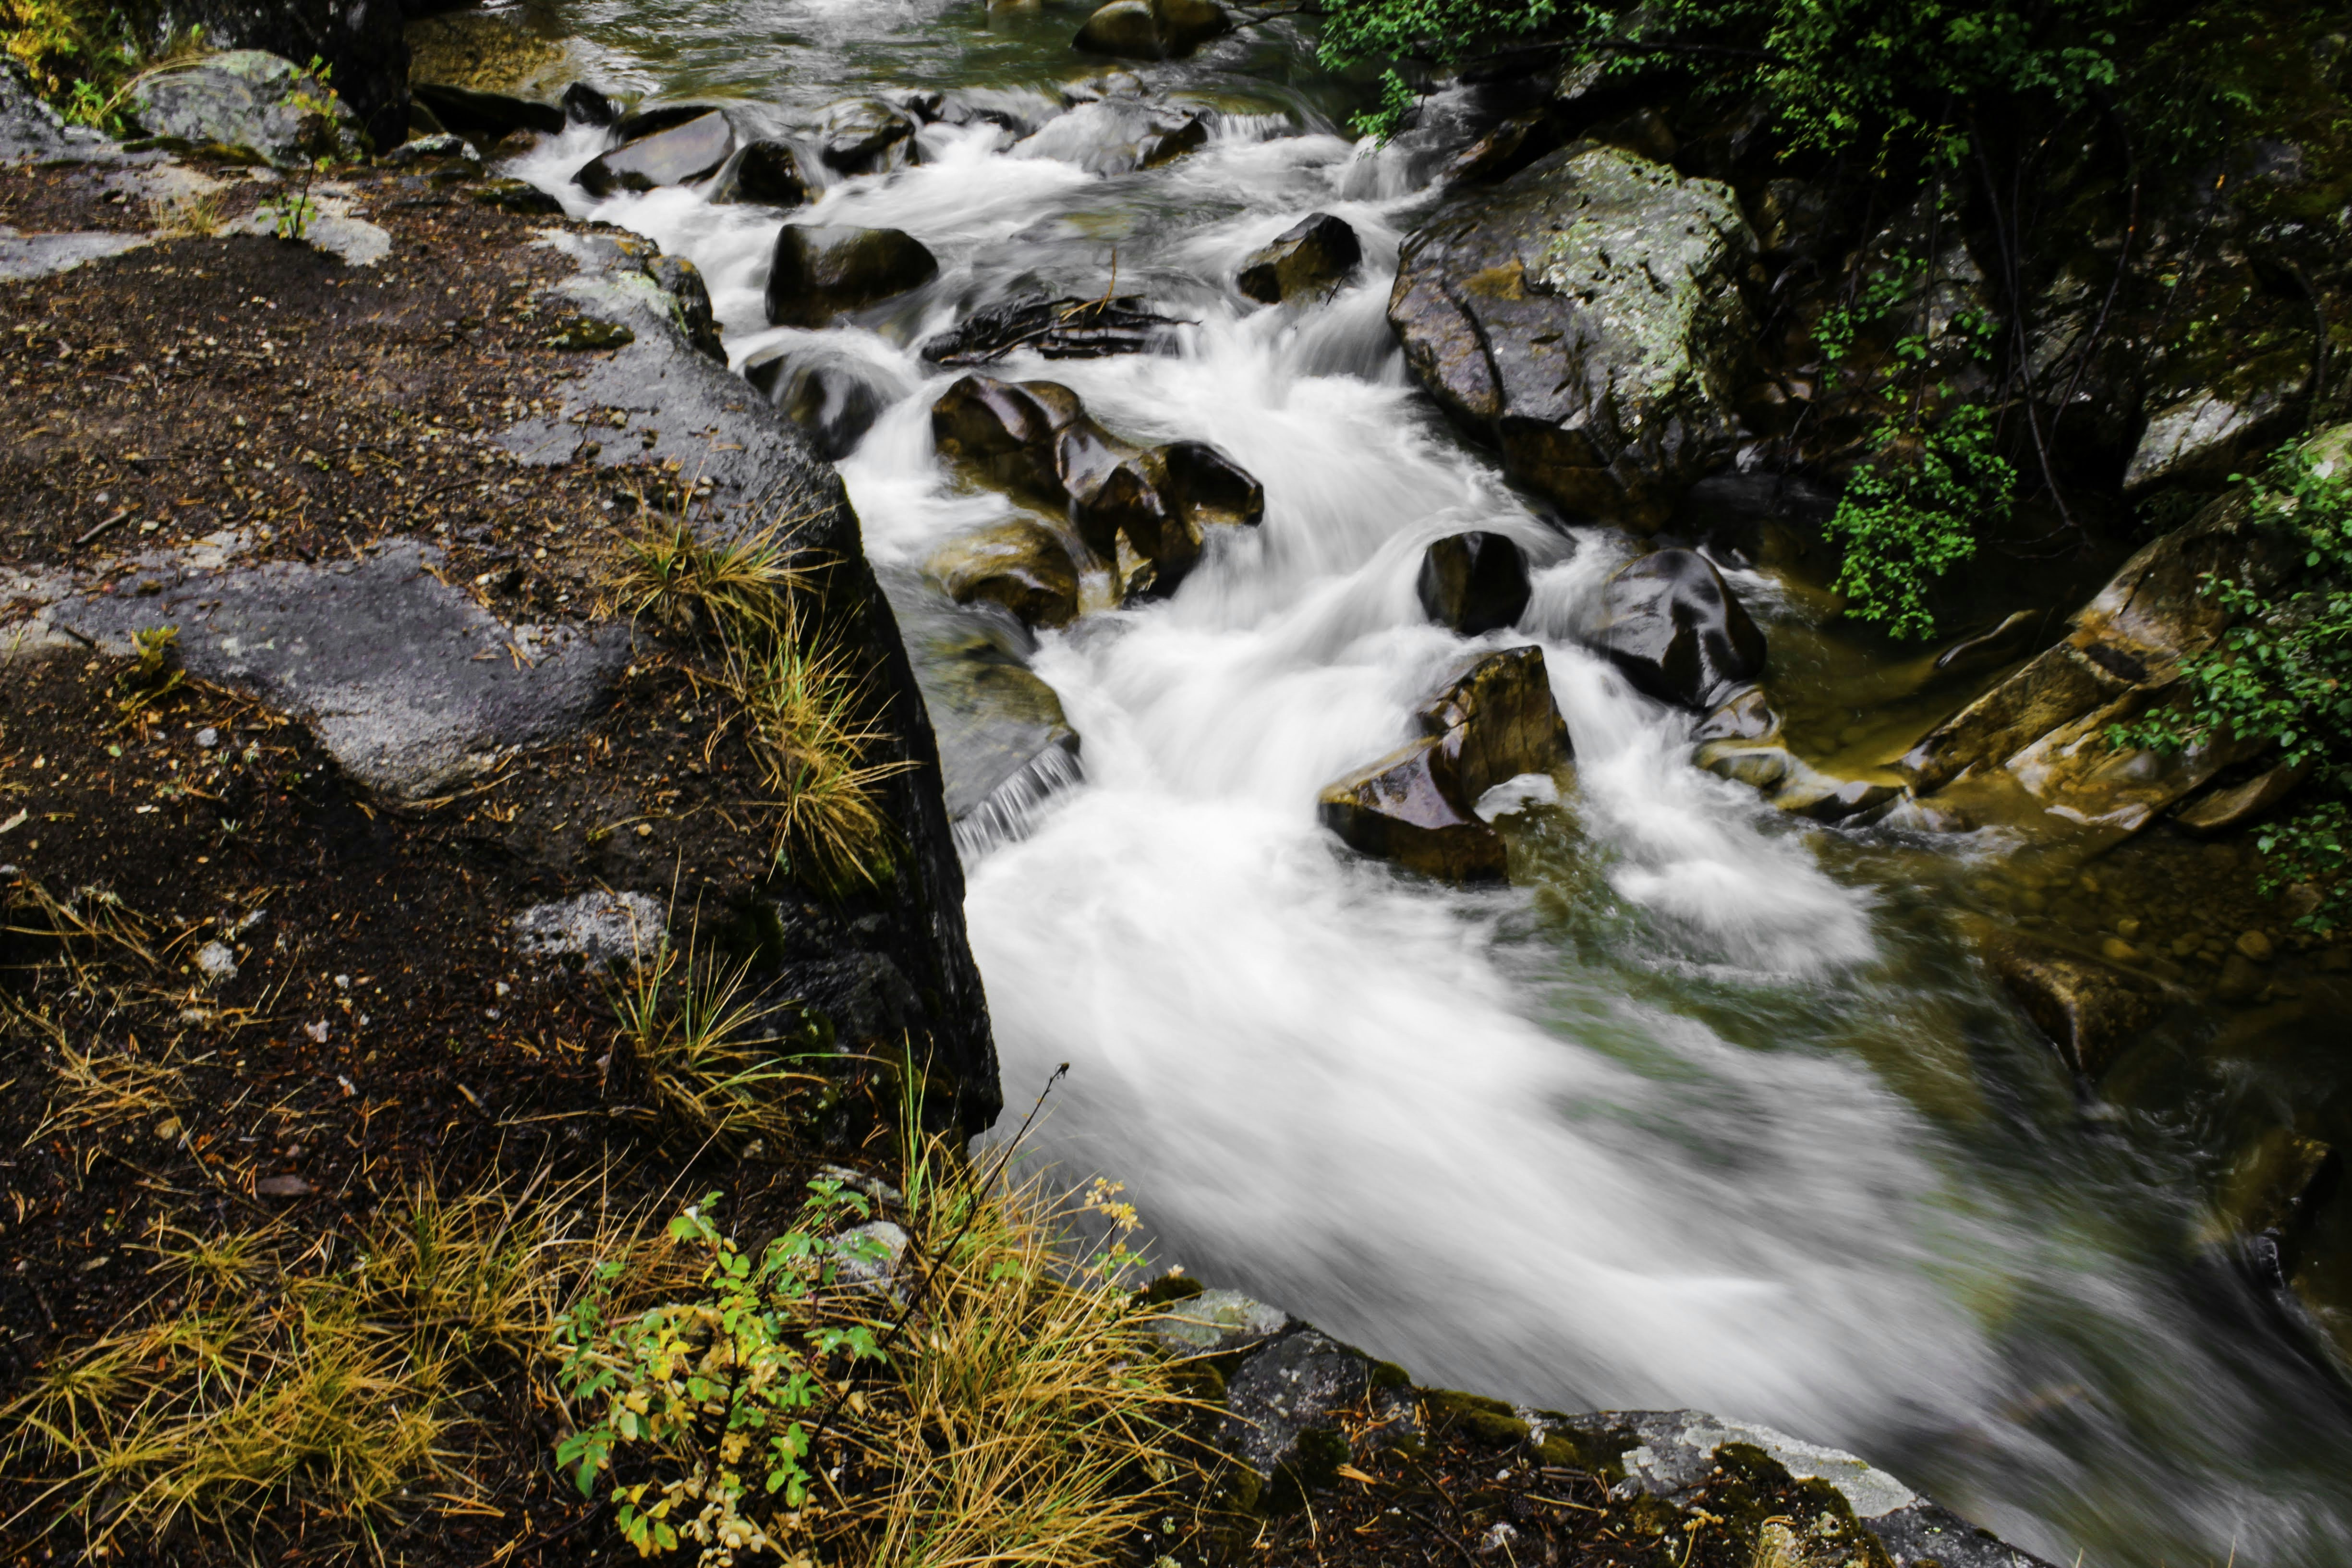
(1709, 1109)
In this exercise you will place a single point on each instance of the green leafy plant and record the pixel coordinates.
(1911, 512)
(1833, 71)
(2282, 673)
(314, 99)
(720, 1387)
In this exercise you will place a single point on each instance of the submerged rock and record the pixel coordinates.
(1021, 566)
(2088, 1009)
(1678, 632)
(824, 271)
(487, 117)
(1152, 30)
(1418, 805)
(763, 173)
(866, 136)
(253, 103)
(664, 157)
(1474, 583)
(1585, 317)
(1311, 258)
(1065, 328)
(833, 397)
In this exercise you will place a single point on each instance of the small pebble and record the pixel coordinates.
(2255, 945)
(207, 738)
(2115, 950)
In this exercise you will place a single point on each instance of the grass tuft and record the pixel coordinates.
(697, 1043)
(805, 705)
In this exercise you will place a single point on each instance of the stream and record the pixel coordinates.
(1710, 1108)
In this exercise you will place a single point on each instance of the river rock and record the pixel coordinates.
(583, 105)
(1677, 631)
(764, 173)
(824, 271)
(833, 397)
(1064, 328)
(2202, 437)
(1311, 258)
(1142, 512)
(668, 157)
(1585, 317)
(1152, 30)
(1474, 583)
(1417, 806)
(2089, 1010)
(1284, 1407)
(866, 136)
(1019, 564)
(245, 101)
(1216, 1323)
(2222, 808)
(486, 116)
(652, 120)
(689, 302)
(362, 42)
(2044, 731)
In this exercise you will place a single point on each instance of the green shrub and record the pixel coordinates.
(2283, 672)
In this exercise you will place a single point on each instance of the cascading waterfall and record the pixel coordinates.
(1698, 1114)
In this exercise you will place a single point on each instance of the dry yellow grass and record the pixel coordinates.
(700, 1047)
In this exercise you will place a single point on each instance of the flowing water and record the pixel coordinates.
(1707, 1109)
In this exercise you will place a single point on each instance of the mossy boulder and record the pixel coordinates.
(248, 103)
(1585, 317)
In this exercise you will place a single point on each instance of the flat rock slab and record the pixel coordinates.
(24, 255)
(410, 684)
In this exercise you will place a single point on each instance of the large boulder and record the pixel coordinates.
(824, 271)
(254, 103)
(2044, 732)
(1418, 805)
(1021, 566)
(866, 136)
(668, 157)
(764, 173)
(1585, 317)
(486, 116)
(1152, 30)
(362, 42)
(1677, 631)
(1310, 258)
(1474, 583)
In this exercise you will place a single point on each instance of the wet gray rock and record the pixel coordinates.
(1005, 745)
(1474, 583)
(444, 148)
(1308, 260)
(30, 131)
(487, 117)
(764, 173)
(831, 397)
(583, 105)
(2206, 435)
(363, 43)
(1677, 631)
(1284, 1406)
(1152, 30)
(245, 100)
(866, 136)
(651, 120)
(378, 657)
(689, 299)
(675, 156)
(1418, 806)
(820, 271)
(1585, 318)
(1118, 132)
(1018, 564)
